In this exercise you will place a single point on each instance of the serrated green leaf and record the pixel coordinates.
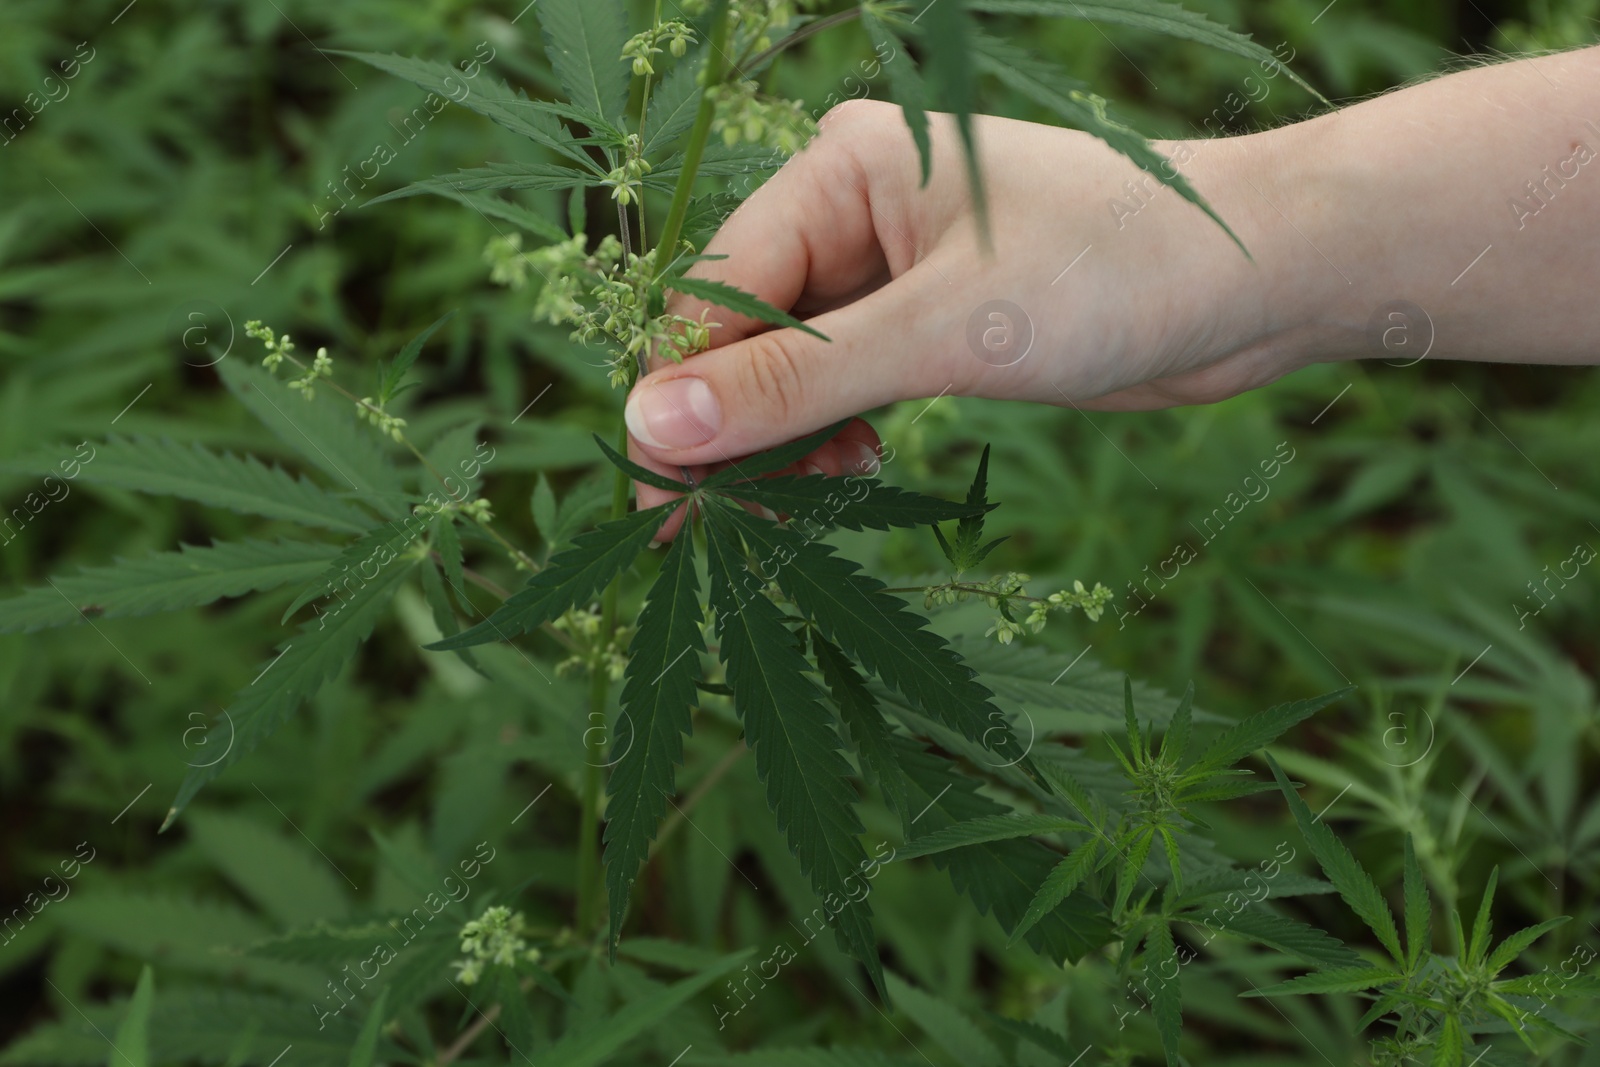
(947, 37)
(1176, 739)
(796, 748)
(165, 581)
(1168, 993)
(1000, 877)
(1418, 911)
(1138, 749)
(1449, 1047)
(366, 1046)
(1156, 15)
(1219, 789)
(488, 96)
(949, 1027)
(283, 876)
(543, 506)
(582, 500)
(131, 1046)
(963, 552)
(329, 946)
(390, 377)
(1134, 855)
(595, 1045)
(571, 578)
(638, 473)
(1333, 980)
(447, 543)
(673, 104)
(324, 431)
(221, 480)
(1355, 885)
(657, 697)
(988, 828)
(583, 40)
(816, 501)
(495, 208)
(1246, 881)
(1266, 927)
(737, 300)
(1479, 945)
(1039, 1036)
(1067, 876)
(880, 633)
(865, 724)
(1513, 946)
(905, 84)
(1036, 79)
(1257, 731)
(495, 176)
(303, 664)
(1540, 985)
(187, 935)
(376, 547)
(772, 459)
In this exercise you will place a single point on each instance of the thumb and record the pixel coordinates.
(764, 390)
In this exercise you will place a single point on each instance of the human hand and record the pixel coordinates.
(1115, 313)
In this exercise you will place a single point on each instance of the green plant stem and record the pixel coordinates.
(699, 133)
(595, 751)
(810, 29)
(975, 590)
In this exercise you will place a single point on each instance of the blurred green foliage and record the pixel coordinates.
(183, 183)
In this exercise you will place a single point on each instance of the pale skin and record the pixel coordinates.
(1422, 195)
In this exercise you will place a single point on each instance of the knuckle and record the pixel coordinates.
(853, 114)
(773, 377)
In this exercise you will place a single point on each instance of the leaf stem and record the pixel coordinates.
(700, 132)
(595, 750)
(810, 29)
(958, 587)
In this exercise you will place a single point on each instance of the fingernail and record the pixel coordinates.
(807, 470)
(679, 413)
(867, 461)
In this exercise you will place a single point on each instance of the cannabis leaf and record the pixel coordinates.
(571, 578)
(966, 552)
(241, 484)
(390, 377)
(584, 40)
(879, 632)
(165, 581)
(1354, 884)
(906, 87)
(796, 749)
(663, 662)
(737, 300)
(302, 665)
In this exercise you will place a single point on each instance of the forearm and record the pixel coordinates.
(1474, 197)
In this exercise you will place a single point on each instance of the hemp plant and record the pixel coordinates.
(654, 138)
(839, 687)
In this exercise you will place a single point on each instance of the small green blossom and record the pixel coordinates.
(278, 348)
(370, 411)
(641, 46)
(493, 939)
(744, 115)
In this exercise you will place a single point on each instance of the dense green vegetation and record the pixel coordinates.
(174, 172)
